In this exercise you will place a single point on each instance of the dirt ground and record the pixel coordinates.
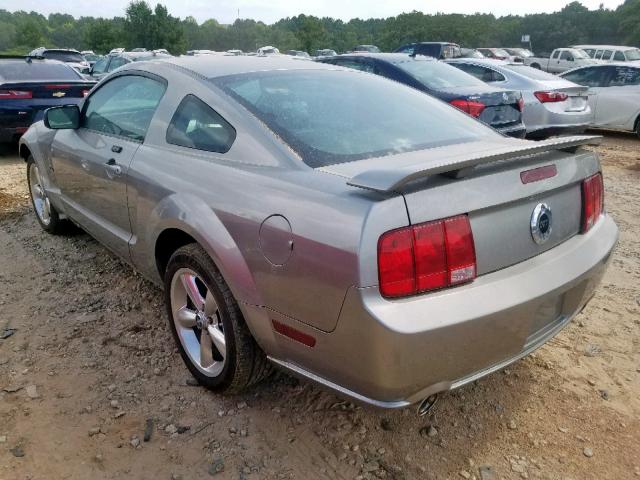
(92, 387)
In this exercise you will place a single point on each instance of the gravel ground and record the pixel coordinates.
(91, 385)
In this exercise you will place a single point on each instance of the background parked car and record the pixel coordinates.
(519, 54)
(298, 53)
(611, 53)
(71, 57)
(470, 53)
(552, 105)
(614, 94)
(90, 57)
(495, 53)
(28, 86)
(497, 107)
(366, 48)
(560, 60)
(268, 50)
(111, 62)
(437, 50)
(325, 52)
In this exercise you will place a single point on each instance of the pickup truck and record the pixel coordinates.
(561, 60)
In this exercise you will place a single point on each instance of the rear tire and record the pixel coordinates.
(46, 213)
(230, 361)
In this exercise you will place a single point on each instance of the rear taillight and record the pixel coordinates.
(521, 104)
(551, 97)
(57, 87)
(592, 201)
(14, 94)
(472, 108)
(427, 256)
(85, 92)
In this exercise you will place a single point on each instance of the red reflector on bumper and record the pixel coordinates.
(293, 333)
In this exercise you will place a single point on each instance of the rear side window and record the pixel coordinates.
(607, 55)
(589, 77)
(619, 56)
(481, 73)
(623, 76)
(356, 65)
(196, 125)
(19, 70)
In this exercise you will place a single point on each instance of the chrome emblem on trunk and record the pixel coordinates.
(541, 223)
(58, 94)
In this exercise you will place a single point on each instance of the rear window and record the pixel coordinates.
(37, 70)
(63, 56)
(327, 116)
(437, 75)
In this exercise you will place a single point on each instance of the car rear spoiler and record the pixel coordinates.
(392, 177)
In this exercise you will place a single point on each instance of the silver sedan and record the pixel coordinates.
(553, 106)
(340, 225)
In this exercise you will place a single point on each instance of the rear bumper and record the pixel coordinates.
(395, 353)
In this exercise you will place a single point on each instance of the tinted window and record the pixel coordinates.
(13, 70)
(406, 49)
(555, 54)
(123, 106)
(623, 76)
(196, 125)
(598, 55)
(565, 55)
(481, 73)
(607, 55)
(589, 51)
(328, 116)
(619, 56)
(438, 75)
(355, 64)
(429, 50)
(63, 56)
(589, 77)
(101, 65)
(117, 62)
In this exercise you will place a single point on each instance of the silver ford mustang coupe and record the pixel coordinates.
(340, 225)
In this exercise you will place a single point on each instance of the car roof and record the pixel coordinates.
(607, 47)
(391, 57)
(66, 50)
(213, 66)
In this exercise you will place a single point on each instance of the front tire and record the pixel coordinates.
(207, 325)
(46, 213)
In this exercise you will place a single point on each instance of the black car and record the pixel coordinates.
(499, 108)
(109, 63)
(28, 86)
(439, 50)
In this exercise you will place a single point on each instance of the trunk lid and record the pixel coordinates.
(499, 195)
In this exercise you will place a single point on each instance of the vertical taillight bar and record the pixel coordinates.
(592, 201)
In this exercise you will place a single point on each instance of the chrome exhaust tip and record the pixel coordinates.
(427, 404)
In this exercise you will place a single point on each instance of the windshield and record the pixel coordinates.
(63, 56)
(500, 52)
(579, 54)
(437, 75)
(327, 116)
(632, 54)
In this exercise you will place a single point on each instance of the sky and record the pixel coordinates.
(269, 11)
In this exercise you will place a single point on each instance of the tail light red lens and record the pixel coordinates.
(426, 256)
(521, 104)
(474, 109)
(57, 87)
(592, 201)
(551, 97)
(15, 94)
(85, 92)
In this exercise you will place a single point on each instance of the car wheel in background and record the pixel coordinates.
(46, 213)
(207, 325)
(638, 126)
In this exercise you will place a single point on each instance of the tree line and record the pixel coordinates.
(144, 26)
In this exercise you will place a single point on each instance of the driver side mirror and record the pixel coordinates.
(66, 117)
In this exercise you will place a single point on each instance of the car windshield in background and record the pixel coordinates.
(580, 54)
(36, 70)
(437, 75)
(328, 117)
(500, 53)
(632, 54)
(63, 56)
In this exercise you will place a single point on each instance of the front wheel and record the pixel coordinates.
(46, 213)
(207, 325)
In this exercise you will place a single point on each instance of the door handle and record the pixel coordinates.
(112, 167)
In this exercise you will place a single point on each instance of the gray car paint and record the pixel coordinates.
(386, 352)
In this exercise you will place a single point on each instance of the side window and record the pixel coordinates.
(598, 55)
(481, 73)
(117, 62)
(607, 55)
(123, 107)
(589, 77)
(357, 65)
(553, 55)
(624, 76)
(407, 49)
(101, 65)
(590, 51)
(565, 55)
(619, 56)
(196, 125)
